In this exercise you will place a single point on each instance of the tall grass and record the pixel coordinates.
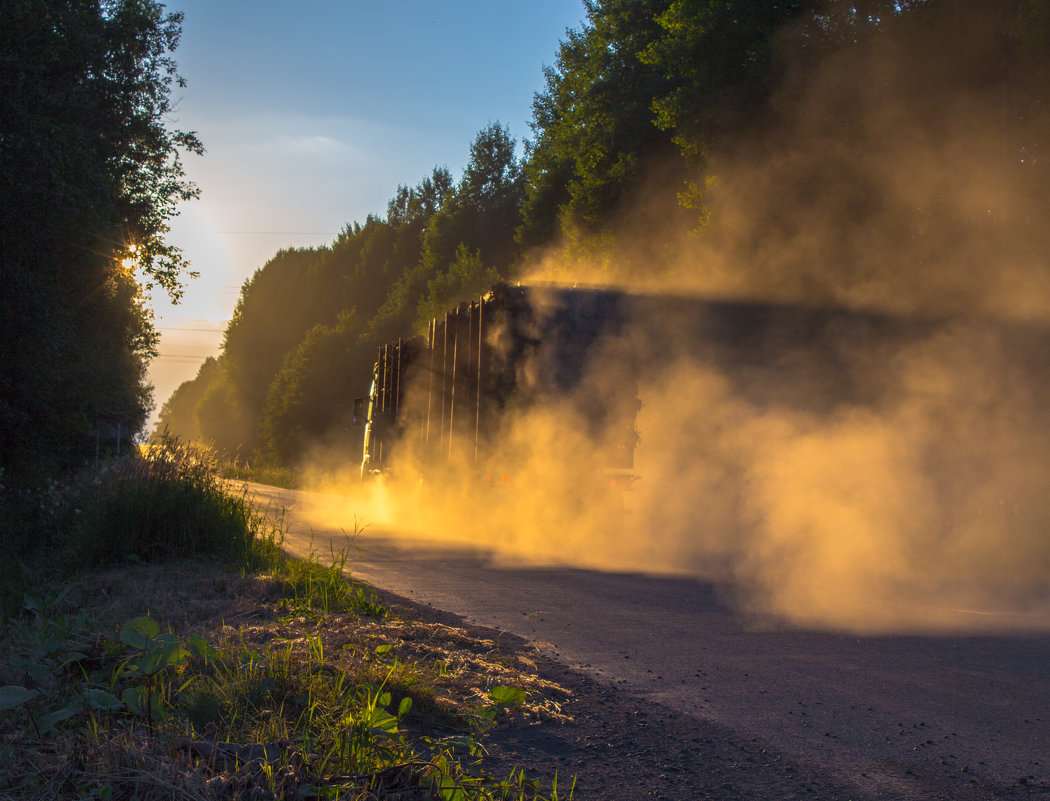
(166, 502)
(289, 719)
(310, 585)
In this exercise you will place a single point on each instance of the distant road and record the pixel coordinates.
(895, 714)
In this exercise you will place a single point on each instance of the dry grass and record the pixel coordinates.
(457, 667)
(447, 670)
(123, 764)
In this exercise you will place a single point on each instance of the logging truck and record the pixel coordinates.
(440, 399)
(440, 402)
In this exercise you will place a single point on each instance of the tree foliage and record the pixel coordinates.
(304, 333)
(89, 175)
(643, 88)
(593, 123)
(311, 396)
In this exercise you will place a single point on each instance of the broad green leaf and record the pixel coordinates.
(102, 701)
(14, 696)
(162, 656)
(131, 697)
(35, 669)
(135, 700)
(49, 722)
(382, 722)
(457, 743)
(383, 649)
(160, 709)
(450, 790)
(404, 707)
(139, 633)
(507, 696)
(199, 647)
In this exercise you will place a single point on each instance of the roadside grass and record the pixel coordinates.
(163, 503)
(261, 474)
(213, 665)
(315, 588)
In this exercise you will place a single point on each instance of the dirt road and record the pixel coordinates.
(681, 697)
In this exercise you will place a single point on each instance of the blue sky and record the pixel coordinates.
(313, 112)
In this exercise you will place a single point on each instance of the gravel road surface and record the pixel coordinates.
(680, 697)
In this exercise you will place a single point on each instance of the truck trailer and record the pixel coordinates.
(441, 402)
(438, 402)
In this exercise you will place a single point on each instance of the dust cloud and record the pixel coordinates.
(870, 454)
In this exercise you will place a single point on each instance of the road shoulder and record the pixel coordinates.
(618, 746)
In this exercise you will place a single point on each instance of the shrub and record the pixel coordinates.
(167, 502)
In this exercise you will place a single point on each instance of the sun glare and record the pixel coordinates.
(130, 261)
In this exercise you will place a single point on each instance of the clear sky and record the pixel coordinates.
(312, 112)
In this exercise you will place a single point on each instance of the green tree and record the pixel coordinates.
(593, 123)
(478, 215)
(311, 398)
(482, 212)
(178, 415)
(718, 60)
(222, 420)
(277, 306)
(466, 277)
(89, 175)
(300, 290)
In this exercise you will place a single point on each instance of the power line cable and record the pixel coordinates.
(203, 330)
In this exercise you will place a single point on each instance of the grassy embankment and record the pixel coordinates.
(158, 643)
(261, 474)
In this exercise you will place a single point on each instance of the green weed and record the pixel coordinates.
(313, 588)
(318, 720)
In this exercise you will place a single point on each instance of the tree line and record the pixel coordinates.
(643, 88)
(637, 104)
(89, 175)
